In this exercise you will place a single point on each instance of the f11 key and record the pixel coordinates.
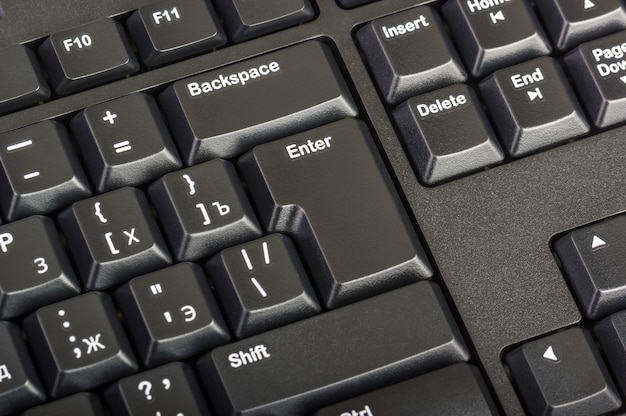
(329, 190)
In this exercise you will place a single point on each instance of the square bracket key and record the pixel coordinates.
(114, 237)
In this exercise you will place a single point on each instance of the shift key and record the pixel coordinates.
(298, 368)
(227, 111)
(329, 190)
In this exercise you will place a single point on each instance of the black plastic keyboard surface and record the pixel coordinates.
(355, 214)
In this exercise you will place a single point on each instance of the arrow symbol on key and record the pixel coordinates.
(623, 79)
(589, 4)
(550, 355)
(534, 95)
(597, 242)
(497, 17)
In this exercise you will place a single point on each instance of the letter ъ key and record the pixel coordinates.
(204, 209)
(340, 207)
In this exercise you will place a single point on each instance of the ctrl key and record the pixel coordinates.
(563, 374)
(454, 390)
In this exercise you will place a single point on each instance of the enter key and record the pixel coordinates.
(329, 189)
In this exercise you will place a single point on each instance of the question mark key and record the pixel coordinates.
(171, 390)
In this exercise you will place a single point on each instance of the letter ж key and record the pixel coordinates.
(295, 369)
(329, 190)
(228, 111)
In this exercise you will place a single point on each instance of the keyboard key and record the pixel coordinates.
(28, 85)
(611, 332)
(171, 314)
(328, 189)
(563, 374)
(255, 101)
(454, 390)
(571, 22)
(113, 237)
(83, 404)
(594, 262)
(35, 269)
(494, 34)
(125, 142)
(19, 384)
(262, 285)
(204, 209)
(598, 69)
(353, 3)
(410, 53)
(169, 390)
(532, 106)
(87, 56)
(40, 172)
(295, 369)
(447, 134)
(246, 19)
(174, 29)
(79, 344)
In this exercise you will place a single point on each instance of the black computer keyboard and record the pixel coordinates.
(312, 207)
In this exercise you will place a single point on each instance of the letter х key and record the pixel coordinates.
(114, 237)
